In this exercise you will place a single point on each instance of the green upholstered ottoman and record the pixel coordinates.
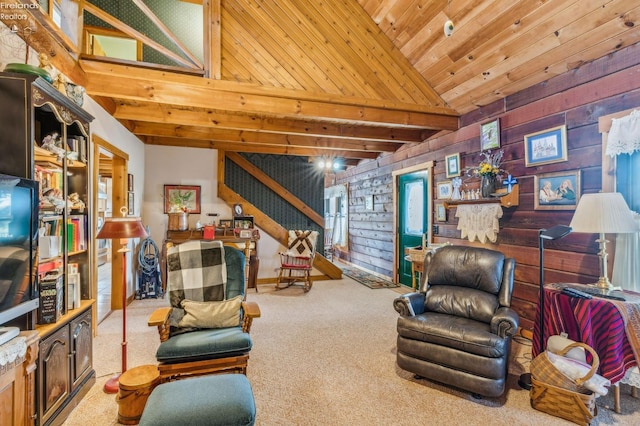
(215, 400)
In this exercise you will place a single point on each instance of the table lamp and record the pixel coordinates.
(122, 228)
(603, 213)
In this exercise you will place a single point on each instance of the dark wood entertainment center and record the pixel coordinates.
(34, 111)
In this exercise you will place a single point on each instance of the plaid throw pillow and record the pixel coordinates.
(196, 271)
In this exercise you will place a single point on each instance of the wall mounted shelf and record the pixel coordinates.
(511, 199)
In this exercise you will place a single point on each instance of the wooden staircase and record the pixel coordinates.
(262, 220)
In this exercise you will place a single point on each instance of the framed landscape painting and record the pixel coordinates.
(490, 135)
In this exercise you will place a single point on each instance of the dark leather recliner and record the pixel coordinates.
(457, 328)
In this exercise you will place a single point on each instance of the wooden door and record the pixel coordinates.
(413, 222)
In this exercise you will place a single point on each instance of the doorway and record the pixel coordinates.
(109, 177)
(412, 195)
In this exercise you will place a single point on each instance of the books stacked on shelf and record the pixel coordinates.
(76, 233)
(77, 148)
(51, 297)
(50, 237)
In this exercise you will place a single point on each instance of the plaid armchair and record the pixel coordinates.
(206, 327)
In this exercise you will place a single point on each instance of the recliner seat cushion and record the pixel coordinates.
(458, 333)
(414, 353)
(204, 344)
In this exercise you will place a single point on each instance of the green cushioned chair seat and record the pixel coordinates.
(204, 344)
(217, 400)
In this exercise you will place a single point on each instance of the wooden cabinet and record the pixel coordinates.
(65, 365)
(46, 138)
(17, 380)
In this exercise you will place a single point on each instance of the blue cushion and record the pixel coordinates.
(217, 400)
(204, 344)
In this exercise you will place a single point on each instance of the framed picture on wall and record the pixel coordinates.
(440, 212)
(452, 165)
(557, 191)
(130, 182)
(182, 196)
(490, 135)
(444, 190)
(548, 146)
(368, 202)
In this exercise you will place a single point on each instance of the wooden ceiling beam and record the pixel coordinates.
(259, 149)
(189, 91)
(208, 118)
(260, 138)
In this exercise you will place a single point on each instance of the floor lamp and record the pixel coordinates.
(121, 228)
(553, 233)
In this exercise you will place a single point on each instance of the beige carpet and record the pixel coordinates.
(327, 357)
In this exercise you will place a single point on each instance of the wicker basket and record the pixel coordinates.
(558, 395)
(416, 254)
(576, 407)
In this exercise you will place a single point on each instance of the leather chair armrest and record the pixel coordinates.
(160, 318)
(251, 311)
(410, 304)
(505, 322)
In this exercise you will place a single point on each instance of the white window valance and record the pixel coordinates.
(624, 136)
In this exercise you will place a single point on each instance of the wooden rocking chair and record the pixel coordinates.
(296, 263)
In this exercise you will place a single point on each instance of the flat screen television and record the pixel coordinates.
(18, 247)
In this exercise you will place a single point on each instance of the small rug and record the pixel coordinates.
(368, 279)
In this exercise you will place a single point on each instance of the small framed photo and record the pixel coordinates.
(557, 191)
(546, 147)
(130, 182)
(368, 202)
(225, 223)
(444, 190)
(246, 233)
(182, 196)
(441, 212)
(490, 135)
(452, 165)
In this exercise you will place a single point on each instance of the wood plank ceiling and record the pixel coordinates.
(355, 79)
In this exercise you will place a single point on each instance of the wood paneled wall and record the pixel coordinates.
(576, 99)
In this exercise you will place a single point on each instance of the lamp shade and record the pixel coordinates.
(604, 212)
(122, 227)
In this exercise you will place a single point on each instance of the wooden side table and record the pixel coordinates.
(417, 267)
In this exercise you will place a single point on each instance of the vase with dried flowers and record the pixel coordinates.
(489, 169)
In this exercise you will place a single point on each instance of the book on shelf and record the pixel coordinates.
(76, 233)
(51, 297)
